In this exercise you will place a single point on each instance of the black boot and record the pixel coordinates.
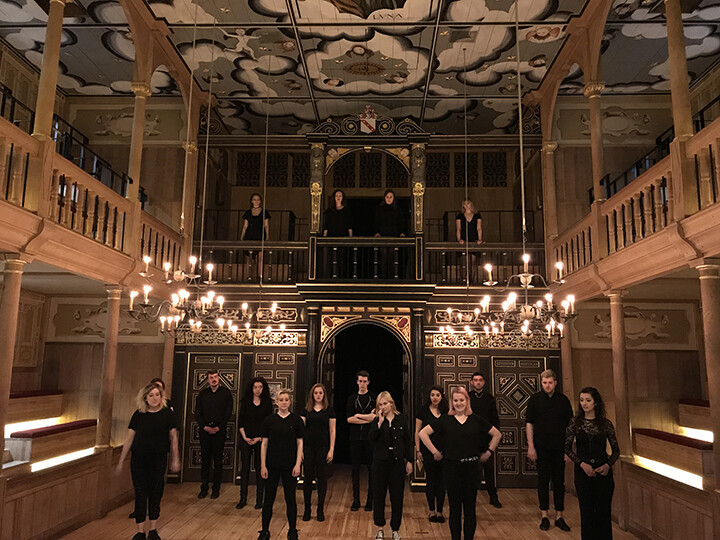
(306, 513)
(242, 503)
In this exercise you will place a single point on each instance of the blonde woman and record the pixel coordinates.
(391, 438)
(468, 224)
(152, 433)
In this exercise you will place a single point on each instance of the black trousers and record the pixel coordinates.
(434, 483)
(551, 467)
(595, 497)
(211, 450)
(148, 476)
(388, 475)
(250, 452)
(289, 483)
(488, 469)
(361, 454)
(315, 468)
(462, 481)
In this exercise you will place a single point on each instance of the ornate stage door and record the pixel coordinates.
(228, 366)
(515, 379)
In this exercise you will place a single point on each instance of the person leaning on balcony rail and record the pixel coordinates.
(468, 228)
(338, 223)
(389, 221)
(256, 226)
(591, 432)
(152, 433)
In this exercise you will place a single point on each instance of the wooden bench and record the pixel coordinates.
(34, 405)
(694, 413)
(44, 443)
(691, 455)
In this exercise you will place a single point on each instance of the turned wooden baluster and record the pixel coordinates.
(663, 220)
(648, 211)
(90, 208)
(80, 199)
(110, 236)
(66, 216)
(610, 224)
(17, 175)
(55, 195)
(4, 156)
(628, 222)
(620, 224)
(705, 177)
(588, 248)
(638, 217)
(100, 236)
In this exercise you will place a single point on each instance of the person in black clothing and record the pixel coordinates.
(213, 409)
(338, 223)
(360, 413)
(468, 228)
(152, 433)
(591, 432)
(280, 457)
(318, 447)
(389, 221)
(547, 416)
(436, 406)
(483, 404)
(466, 439)
(392, 461)
(256, 226)
(256, 406)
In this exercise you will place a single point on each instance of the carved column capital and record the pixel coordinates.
(190, 148)
(593, 89)
(709, 271)
(141, 89)
(549, 147)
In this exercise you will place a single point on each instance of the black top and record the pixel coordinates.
(389, 220)
(338, 222)
(427, 417)
(461, 441)
(255, 227)
(282, 434)
(592, 437)
(483, 404)
(317, 427)
(471, 226)
(214, 409)
(549, 416)
(252, 416)
(360, 404)
(392, 440)
(152, 431)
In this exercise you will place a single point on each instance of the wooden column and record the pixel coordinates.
(107, 389)
(187, 223)
(592, 91)
(142, 91)
(622, 403)
(418, 161)
(566, 362)
(317, 172)
(45, 103)
(309, 375)
(679, 80)
(550, 217)
(168, 362)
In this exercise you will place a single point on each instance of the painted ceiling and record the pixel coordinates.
(294, 63)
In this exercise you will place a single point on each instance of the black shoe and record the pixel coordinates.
(320, 515)
(132, 515)
(203, 493)
(494, 501)
(139, 536)
(306, 514)
(433, 519)
(544, 524)
(153, 535)
(258, 506)
(264, 535)
(368, 506)
(440, 519)
(241, 504)
(560, 524)
(355, 505)
(293, 534)
(214, 494)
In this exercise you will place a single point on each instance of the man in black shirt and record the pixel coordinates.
(212, 412)
(483, 404)
(547, 416)
(360, 413)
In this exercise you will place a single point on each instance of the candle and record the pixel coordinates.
(176, 318)
(234, 329)
(566, 306)
(175, 299)
(220, 301)
(166, 267)
(210, 267)
(487, 330)
(485, 303)
(512, 297)
(282, 328)
(552, 325)
(273, 307)
(247, 327)
(571, 299)
(548, 329)
(559, 265)
(193, 262)
(162, 324)
(526, 260)
(502, 327)
(198, 325)
(133, 294)
(548, 297)
(220, 323)
(244, 307)
(210, 296)
(505, 305)
(146, 260)
(488, 268)
(146, 290)
(560, 327)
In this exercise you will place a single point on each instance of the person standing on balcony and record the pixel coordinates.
(389, 221)
(547, 416)
(483, 404)
(338, 223)
(256, 226)
(591, 432)
(360, 410)
(256, 406)
(437, 405)
(468, 229)
(213, 409)
(152, 433)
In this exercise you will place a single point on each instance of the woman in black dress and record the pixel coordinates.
(591, 432)
(389, 221)
(467, 440)
(392, 461)
(256, 406)
(318, 447)
(256, 226)
(468, 228)
(152, 433)
(338, 223)
(436, 406)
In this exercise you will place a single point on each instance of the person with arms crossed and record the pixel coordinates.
(360, 413)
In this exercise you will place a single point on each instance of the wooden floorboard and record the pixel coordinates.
(184, 517)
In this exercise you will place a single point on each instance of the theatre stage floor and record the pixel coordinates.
(184, 517)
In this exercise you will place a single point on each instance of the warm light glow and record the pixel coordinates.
(146, 259)
(688, 478)
(505, 306)
(32, 424)
(211, 295)
(526, 258)
(220, 323)
(488, 267)
(699, 434)
(210, 267)
(220, 301)
(244, 306)
(273, 307)
(175, 299)
(449, 311)
(166, 266)
(146, 290)
(247, 325)
(512, 297)
(559, 265)
(282, 327)
(193, 260)
(52, 462)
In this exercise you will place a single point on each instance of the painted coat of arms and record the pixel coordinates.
(367, 120)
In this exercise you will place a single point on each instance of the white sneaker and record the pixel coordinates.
(396, 535)
(380, 535)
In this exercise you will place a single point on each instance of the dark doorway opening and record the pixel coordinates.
(373, 349)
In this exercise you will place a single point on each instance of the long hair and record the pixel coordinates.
(460, 390)
(343, 197)
(472, 206)
(385, 396)
(311, 398)
(443, 406)
(394, 203)
(252, 196)
(264, 396)
(599, 405)
(141, 399)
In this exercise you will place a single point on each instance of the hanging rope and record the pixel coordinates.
(465, 221)
(520, 130)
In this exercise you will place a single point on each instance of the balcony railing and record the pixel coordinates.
(504, 226)
(367, 258)
(239, 262)
(227, 225)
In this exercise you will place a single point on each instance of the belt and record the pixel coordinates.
(468, 459)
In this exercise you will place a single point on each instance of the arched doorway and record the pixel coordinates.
(375, 349)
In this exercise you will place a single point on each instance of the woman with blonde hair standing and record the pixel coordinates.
(152, 433)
